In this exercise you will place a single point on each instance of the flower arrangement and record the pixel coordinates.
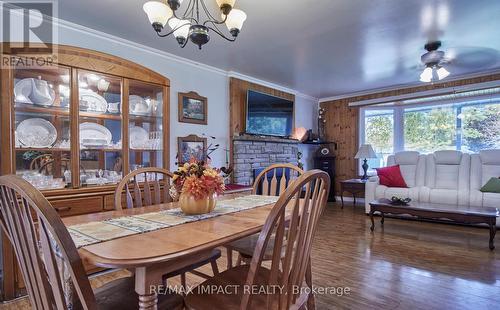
(197, 179)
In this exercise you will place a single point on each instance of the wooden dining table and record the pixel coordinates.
(152, 254)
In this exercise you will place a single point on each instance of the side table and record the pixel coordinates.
(353, 186)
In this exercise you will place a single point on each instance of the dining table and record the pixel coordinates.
(152, 254)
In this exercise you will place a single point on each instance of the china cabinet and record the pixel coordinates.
(76, 128)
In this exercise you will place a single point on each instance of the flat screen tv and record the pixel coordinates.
(268, 115)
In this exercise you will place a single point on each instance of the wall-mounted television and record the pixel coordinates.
(268, 115)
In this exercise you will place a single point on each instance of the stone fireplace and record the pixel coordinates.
(255, 152)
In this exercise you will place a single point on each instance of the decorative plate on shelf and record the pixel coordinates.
(92, 101)
(34, 91)
(36, 132)
(139, 137)
(92, 134)
(139, 106)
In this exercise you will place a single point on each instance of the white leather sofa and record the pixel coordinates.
(449, 177)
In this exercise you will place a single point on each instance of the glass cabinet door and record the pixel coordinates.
(145, 125)
(42, 126)
(100, 128)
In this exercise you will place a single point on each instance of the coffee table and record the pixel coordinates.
(458, 214)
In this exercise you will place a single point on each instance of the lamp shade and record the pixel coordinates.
(157, 12)
(365, 151)
(220, 3)
(235, 19)
(182, 26)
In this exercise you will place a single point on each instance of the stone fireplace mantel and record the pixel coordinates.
(254, 152)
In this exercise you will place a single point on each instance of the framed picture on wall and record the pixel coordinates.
(192, 108)
(189, 147)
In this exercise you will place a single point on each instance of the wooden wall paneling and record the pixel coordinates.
(343, 121)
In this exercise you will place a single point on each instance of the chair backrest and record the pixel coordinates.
(292, 222)
(273, 180)
(412, 166)
(144, 187)
(42, 245)
(448, 170)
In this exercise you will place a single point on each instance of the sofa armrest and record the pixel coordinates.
(370, 188)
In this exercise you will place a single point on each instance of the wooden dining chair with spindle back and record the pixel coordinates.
(292, 223)
(272, 181)
(49, 261)
(150, 186)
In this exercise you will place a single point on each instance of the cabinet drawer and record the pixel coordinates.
(75, 206)
(109, 202)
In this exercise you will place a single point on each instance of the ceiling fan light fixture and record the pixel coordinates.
(426, 75)
(442, 73)
(158, 14)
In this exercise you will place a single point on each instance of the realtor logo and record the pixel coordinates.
(28, 32)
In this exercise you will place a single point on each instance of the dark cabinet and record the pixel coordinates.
(327, 164)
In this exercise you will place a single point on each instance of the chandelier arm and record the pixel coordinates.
(221, 34)
(168, 33)
(187, 12)
(211, 19)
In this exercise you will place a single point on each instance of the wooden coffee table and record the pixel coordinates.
(458, 214)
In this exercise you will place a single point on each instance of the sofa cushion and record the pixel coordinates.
(492, 186)
(447, 176)
(445, 196)
(448, 157)
(391, 176)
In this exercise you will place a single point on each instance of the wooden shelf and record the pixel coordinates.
(41, 149)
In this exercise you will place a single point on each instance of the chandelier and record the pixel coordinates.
(189, 26)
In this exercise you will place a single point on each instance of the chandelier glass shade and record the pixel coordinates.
(190, 26)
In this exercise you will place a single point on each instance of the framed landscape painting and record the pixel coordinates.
(190, 147)
(192, 108)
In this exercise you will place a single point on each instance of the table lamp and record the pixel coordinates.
(365, 151)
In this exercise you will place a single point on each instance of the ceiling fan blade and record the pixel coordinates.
(472, 57)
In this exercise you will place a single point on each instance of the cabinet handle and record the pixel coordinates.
(62, 209)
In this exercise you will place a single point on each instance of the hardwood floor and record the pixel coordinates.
(406, 265)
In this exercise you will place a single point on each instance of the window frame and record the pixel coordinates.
(398, 109)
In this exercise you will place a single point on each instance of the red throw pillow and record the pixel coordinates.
(391, 176)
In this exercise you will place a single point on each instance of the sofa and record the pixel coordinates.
(447, 177)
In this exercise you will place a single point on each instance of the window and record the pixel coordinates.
(467, 124)
(379, 132)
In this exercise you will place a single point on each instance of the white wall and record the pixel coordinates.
(185, 75)
(306, 114)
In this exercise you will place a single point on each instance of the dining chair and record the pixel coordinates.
(272, 181)
(150, 186)
(280, 286)
(49, 261)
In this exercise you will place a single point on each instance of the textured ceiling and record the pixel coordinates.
(324, 47)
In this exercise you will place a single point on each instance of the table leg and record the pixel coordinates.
(493, 231)
(371, 219)
(148, 302)
(229, 258)
(354, 198)
(342, 198)
(382, 219)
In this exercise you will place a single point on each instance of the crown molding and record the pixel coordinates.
(172, 57)
(271, 85)
(405, 86)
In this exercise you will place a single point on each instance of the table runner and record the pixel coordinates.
(100, 231)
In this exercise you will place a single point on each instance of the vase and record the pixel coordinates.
(192, 206)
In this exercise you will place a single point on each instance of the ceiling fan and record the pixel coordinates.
(438, 64)
(434, 62)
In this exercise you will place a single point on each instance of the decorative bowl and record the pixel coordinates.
(192, 206)
(400, 201)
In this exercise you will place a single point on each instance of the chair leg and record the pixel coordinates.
(215, 268)
(229, 258)
(311, 305)
(239, 260)
(183, 282)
